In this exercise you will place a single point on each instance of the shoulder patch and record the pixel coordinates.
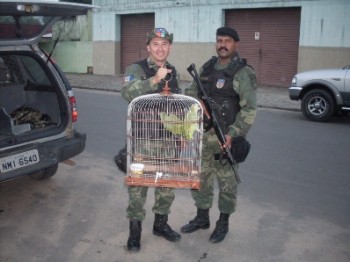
(128, 78)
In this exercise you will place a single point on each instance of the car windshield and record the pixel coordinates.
(22, 27)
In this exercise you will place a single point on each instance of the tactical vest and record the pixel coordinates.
(151, 72)
(218, 85)
(156, 130)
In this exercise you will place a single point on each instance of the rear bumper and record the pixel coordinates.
(294, 92)
(50, 153)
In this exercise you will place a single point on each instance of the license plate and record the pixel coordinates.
(14, 162)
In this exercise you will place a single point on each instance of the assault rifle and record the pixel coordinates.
(214, 118)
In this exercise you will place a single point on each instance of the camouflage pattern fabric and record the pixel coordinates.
(28, 115)
(164, 197)
(212, 169)
(245, 84)
(135, 84)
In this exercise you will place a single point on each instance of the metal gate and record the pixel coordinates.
(134, 29)
(269, 40)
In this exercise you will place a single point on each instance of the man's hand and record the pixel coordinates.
(228, 142)
(161, 74)
(205, 110)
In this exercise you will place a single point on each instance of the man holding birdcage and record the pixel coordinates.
(146, 77)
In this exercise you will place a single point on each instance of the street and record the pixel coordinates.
(293, 202)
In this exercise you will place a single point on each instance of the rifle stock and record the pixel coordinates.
(216, 125)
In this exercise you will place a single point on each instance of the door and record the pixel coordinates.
(134, 29)
(270, 42)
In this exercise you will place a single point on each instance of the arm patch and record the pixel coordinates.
(128, 78)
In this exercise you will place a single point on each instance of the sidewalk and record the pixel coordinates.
(268, 97)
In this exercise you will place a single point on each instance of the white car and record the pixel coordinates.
(323, 93)
(37, 105)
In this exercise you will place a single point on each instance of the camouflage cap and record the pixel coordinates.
(227, 31)
(159, 32)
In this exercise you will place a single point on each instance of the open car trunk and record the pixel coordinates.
(35, 96)
(32, 105)
(37, 104)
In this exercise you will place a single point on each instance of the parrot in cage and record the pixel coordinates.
(185, 127)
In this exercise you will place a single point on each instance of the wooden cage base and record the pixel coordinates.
(173, 183)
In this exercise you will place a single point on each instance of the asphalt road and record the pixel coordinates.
(293, 203)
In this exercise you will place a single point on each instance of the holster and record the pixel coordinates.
(121, 159)
(240, 149)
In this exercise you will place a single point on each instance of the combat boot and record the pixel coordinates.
(201, 221)
(161, 228)
(221, 229)
(134, 235)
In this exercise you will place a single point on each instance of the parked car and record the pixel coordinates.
(37, 104)
(323, 93)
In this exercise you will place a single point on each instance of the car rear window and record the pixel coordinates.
(22, 27)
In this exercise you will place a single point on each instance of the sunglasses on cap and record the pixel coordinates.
(161, 32)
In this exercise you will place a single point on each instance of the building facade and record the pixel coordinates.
(73, 51)
(278, 37)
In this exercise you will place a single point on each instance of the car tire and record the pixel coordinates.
(45, 173)
(318, 105)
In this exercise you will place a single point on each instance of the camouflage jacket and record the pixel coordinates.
(136, 83)
(245, 85)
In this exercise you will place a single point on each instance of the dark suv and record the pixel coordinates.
(37, 104)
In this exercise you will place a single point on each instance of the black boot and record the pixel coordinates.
(161, 228)
(201, 221)
(134, 235)
(221, 229)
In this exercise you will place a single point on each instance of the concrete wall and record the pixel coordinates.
(74, 50)
(106, 58)
(184, 54)
(311, 57)
(106, 48)
(72, 56)
(324, 29)
(324, 35)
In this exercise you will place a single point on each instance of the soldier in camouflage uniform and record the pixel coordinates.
(145, 77)
(232, 85)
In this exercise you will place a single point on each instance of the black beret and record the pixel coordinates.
(227, 31)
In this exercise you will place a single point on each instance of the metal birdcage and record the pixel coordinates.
(164, 141)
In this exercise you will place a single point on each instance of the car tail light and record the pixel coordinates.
(73, 104)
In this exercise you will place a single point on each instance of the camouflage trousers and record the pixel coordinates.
(212, 169)
(164, 197)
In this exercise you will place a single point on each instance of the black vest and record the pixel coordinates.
(156, 130)
(172, 76)
(219, 87)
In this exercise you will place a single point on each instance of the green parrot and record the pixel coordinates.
(186, 127)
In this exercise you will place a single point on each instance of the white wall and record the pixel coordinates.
(325, 24)
(324, 28)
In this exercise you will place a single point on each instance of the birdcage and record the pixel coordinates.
(164, 141)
